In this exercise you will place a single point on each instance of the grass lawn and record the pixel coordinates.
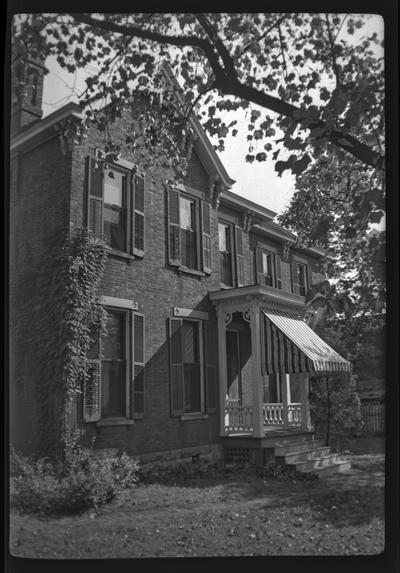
(221, 515)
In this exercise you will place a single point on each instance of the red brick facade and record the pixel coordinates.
(48, 193)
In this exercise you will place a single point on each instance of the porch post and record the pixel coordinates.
(285, 378)
(222, 368)
(258, 416)
(305, 404)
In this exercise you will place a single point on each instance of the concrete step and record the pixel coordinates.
(331, 469)
(303, 456)
(285, 448)
(317, 463)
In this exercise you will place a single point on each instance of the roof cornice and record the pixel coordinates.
(42, 126)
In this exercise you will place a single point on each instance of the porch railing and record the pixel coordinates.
(239, 419)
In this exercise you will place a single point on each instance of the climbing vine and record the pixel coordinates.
(61, 316)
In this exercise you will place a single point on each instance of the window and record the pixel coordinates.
(114, 385)
(268, 267)
(193, 366)
(189, 235)
(231, 252)
(301, 277)
(115, 208)
(225, 253)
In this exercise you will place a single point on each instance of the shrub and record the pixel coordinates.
(78, 483)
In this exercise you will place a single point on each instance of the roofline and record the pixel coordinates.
(239, 201)
(203, 139)
(69, 110)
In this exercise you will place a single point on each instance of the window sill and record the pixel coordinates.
(188, 271)
(194, 416)
(115, 422)
(120, 254)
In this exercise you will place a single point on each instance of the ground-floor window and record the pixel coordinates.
(114, 385)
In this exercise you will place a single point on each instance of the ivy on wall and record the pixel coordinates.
(60, 316)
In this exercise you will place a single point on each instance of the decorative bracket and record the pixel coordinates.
(247, 220)
(285, 250)
(216, 187)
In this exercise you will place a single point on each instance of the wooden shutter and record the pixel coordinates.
(206, 236)
(174, 237)
(239, 256)
(309, 277)
(92, 382)
(138, 215)
(259, 266)
(176, 366)
(94, 186)
(211, 362)
(295, 284)
(138, 363)
(278, 271)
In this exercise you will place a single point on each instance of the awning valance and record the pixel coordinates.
(293, 347)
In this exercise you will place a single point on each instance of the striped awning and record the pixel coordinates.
(293, 347)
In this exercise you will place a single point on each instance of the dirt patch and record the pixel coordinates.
(230, 515)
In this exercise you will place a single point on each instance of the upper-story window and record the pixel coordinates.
(301, 276)
(115, 208)
(268, 267)
(189, 232)
(231, 256)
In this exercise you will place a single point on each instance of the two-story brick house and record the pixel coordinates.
(206, 345)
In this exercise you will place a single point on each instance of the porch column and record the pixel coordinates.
(305, 404)
(258, 416)
(222, 368)
(285, 379)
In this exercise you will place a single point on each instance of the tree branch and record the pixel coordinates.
(332, 46)
(229, 84)
(220, 46)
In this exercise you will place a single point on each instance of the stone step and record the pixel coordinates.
(331, 469)
(285, 448)
(317, 463)
(304, 455)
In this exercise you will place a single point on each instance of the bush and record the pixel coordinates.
(77, 484)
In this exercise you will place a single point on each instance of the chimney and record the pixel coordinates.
(27, 76)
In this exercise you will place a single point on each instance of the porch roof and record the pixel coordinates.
(291, 346)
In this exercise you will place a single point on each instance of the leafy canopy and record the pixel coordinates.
(296, 74)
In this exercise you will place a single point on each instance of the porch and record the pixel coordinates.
(266, 354)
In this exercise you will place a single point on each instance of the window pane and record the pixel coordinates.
(114, 339)
(225, 256)
(189, 250)
(192, 388)
(113, 388)
(222, 237)
(190, 342)
(187, 213)
(114, 209)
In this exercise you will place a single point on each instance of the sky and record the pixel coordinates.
(257, 181)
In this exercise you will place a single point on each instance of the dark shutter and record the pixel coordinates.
(138, 215)
(278, 271)
(295, 284)
(94, 185)
(259, 266)
(176, 366)
(174, 238)
(138, 363)
(206, 236)
(309, 277)
(92, 381)
(239, 256)
(211, 385)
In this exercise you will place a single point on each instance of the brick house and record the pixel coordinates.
(205, 293)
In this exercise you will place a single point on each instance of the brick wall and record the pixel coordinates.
(40, 180)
